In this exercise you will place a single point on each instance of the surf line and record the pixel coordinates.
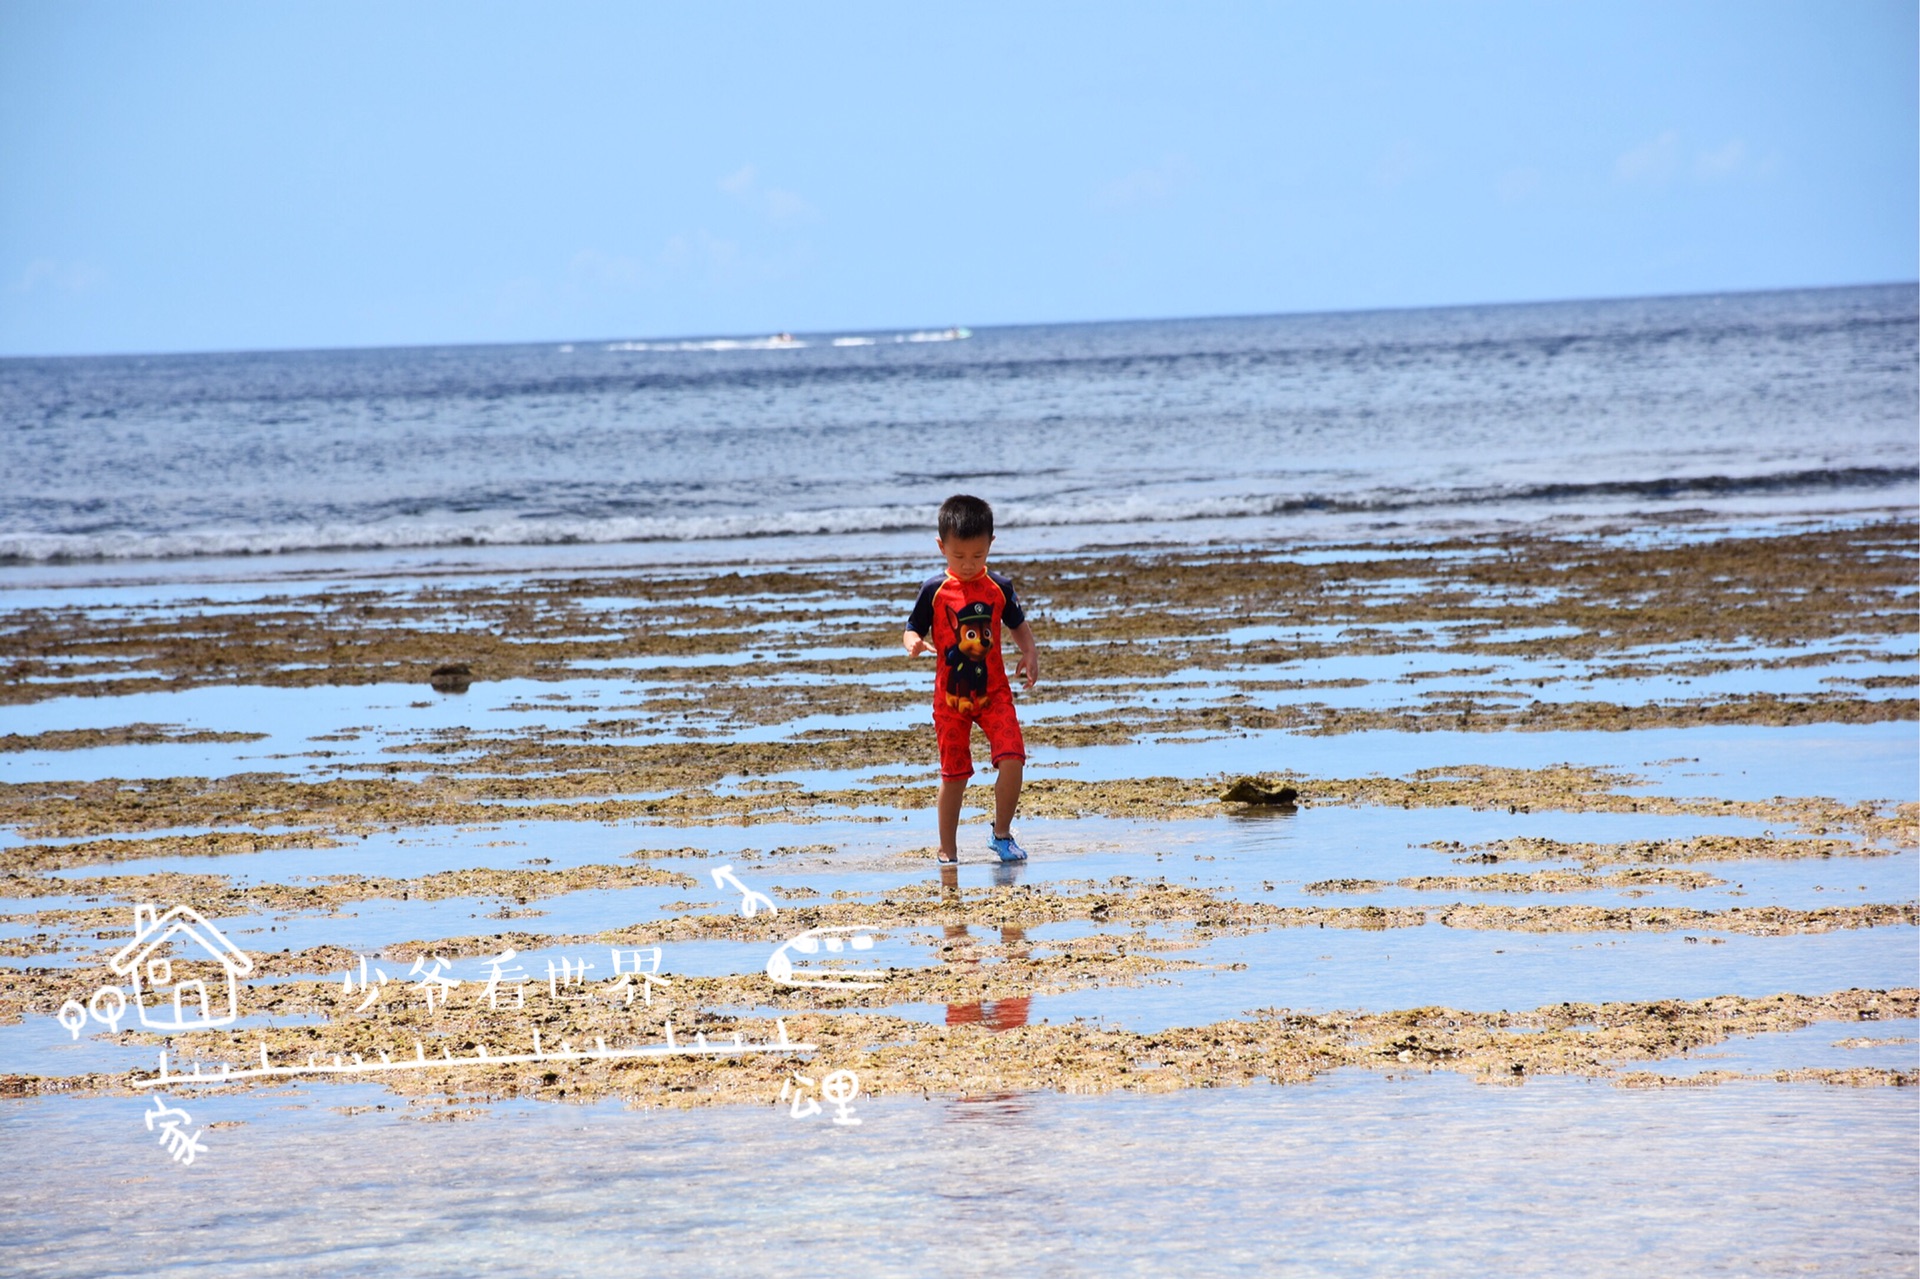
(700, 1047)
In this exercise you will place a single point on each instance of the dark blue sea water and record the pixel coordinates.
(1180, 429)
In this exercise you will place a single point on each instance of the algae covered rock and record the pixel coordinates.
(453, 677)
(1256, 790)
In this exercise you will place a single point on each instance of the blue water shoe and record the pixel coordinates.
(1006, 850)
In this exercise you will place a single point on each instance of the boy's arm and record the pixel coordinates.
(1029, 664)
(920, 620)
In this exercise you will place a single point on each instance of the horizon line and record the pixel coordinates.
(975, 327)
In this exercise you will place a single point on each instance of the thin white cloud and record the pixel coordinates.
(1721, 162)
(776, 204)
(518, 296)
(1732, 160)
(786, 206)
(1668, 158)
(698, 256)
(593, 267)
(698, 259)
(53, 276)
(702, 251)
(39, 272)
(1402, 163)
(1152, 185)
(1654, 161)
(1517, 184)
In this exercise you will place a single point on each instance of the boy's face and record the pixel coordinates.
(966, 556)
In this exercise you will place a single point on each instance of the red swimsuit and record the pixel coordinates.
(963, 620)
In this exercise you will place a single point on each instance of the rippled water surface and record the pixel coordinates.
(1344, 1176)
(1468, 413)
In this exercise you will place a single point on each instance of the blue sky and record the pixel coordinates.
(197, 176)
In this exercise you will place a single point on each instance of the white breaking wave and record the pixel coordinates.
(788, 342)
(776, 343)
(1873, 484)
(398, 534)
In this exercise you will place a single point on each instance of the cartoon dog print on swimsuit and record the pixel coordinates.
(966, 657)
(962, 622)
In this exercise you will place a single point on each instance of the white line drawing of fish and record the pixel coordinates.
(833, 939)
(751, 903)
(164, 1077)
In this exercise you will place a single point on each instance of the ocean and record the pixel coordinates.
(1232, 429)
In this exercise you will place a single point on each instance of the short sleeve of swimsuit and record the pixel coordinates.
(1012, 616)
(920, 620)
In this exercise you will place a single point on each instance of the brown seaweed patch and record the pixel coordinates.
(1541, 881)
(1697, 848)
(43, 857)
(1133, 905)
(1759, 921)
(75, 739)
(1106, 618)
(1196, 914)
(219, 896)
(1483, 712)
(683, 776)
(1258, 790)
(1842, 1077)
(351, 805)
(899, 1057)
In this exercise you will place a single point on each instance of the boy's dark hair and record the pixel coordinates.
(965, 517)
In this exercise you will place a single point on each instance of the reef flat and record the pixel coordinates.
(354, 775)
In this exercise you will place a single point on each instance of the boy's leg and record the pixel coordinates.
(954, 736)
(952, 791)
(1006, 795)
(1009, 754)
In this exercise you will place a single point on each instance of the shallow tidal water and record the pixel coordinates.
(1348, 1175)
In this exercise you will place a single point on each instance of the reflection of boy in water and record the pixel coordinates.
(959, 617)
(994, 1014)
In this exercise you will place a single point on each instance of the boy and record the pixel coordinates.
(958, 618)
